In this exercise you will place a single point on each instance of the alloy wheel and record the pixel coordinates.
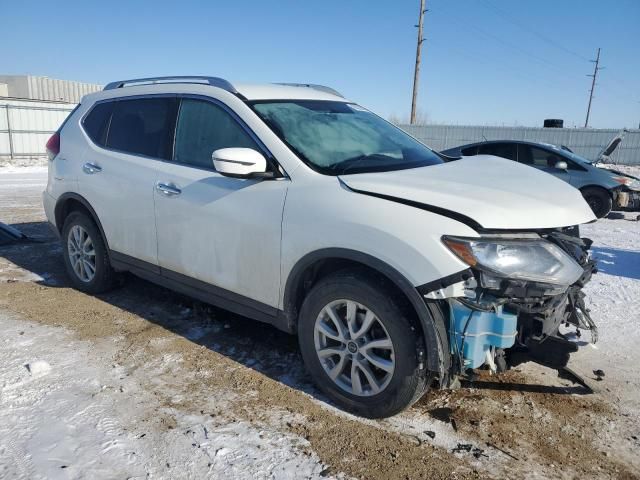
(82, 253)
(354, 347)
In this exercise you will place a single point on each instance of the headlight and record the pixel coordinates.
(534, 260)
(631, 183)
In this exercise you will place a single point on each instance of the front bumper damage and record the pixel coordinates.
(626, 199)
(518, 321)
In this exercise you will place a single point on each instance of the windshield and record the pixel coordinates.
(570, 154)
(335, 138)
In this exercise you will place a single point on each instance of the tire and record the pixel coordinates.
(398, 388)
(103, 276)
(599, 200)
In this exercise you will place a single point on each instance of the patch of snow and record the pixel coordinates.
(31, 164)
(38, 368)
(633, 170)
(613, 296)
(86, 418)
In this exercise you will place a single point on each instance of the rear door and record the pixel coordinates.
(543, 159)
(220, 231)
(129, 138)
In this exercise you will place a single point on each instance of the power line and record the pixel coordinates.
(596, 69)
(524, 26)
(550, 41)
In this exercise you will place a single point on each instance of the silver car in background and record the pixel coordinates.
(603, 189)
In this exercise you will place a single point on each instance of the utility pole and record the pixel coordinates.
(416, 72)
(596, 68)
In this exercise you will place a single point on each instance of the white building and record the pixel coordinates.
(32, 108)
(44, 88)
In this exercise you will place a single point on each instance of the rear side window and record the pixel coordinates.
(504, 150)
(143, 126)
(469, 151)
(96, 123)
(204, 127)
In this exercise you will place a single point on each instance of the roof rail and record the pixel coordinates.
(321, 88)
(213, 81)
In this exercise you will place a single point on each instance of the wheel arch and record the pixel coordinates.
(598, 187)
(322, 262)
(70, 202)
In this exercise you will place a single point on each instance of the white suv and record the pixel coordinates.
(291, 205)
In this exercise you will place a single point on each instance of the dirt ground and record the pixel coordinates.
(526, 423)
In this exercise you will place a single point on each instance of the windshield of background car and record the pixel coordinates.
(571, 155)
(336, 138)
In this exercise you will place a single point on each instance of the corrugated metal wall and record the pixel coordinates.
(587, 142)
(45, 88)
(25, 126)
(31, 123)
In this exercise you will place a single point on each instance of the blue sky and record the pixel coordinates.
(485, 61)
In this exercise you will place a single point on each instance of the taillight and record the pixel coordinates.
(53, 146)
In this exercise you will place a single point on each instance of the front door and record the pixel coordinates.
(544, 160)
(218, 230)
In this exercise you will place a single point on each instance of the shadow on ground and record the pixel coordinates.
(255, 345)
(618, 262)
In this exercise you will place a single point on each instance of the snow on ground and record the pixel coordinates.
(75, 414)
(31, 164)
(613, 295)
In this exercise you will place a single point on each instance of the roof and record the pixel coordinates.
(267, 91)
(273, 91)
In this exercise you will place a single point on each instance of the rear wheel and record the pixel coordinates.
(599, 200)
(359, 345)
(85, 255)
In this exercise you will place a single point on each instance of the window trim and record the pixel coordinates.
(272, 162)
(116, 100)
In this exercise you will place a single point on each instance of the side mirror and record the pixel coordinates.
(239, 162)
(561, 165)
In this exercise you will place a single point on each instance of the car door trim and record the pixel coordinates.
(200, 290)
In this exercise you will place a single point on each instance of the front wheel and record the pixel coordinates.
(359, 345)
(599, 200)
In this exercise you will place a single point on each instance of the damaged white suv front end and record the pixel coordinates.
(519, 291)
(526, 264)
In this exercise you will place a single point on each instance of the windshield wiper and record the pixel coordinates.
(345, 165)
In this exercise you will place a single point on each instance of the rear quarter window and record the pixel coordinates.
(469, 151)
(504, 150)
(96, 123)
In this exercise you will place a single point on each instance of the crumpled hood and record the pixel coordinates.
(494, 192)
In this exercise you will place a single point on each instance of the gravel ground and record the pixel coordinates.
(145, 383)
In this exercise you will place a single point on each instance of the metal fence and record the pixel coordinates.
(587, 142)
(26, 125)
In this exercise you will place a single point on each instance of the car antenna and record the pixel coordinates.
(485, 138)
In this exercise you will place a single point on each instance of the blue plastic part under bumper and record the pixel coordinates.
(475, 332)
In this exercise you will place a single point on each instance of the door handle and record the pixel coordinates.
(168, 189)
(91, 168)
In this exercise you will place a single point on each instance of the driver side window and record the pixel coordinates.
(538, 157)
(204, 127)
